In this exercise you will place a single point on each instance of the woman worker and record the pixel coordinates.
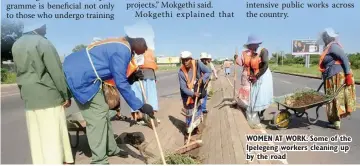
(335, 68)
(261, 91)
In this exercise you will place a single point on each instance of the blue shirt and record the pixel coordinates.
(185, 92)
(331, 69)
(111, 61)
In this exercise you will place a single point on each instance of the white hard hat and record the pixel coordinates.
(186, 54)
(203, 55)
(226, 59)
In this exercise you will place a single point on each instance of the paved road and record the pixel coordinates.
(15, 148)
(285, 84)
(14, 138)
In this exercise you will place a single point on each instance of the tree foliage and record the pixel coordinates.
(314, 60)
(79, 47)
(10, 32)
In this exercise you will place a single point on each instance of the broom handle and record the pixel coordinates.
(194, 111)
(153, 126)
(236, 52)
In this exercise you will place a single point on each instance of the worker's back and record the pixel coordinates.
(80, 74)
(34, 57)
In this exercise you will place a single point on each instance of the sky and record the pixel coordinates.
(217, 36)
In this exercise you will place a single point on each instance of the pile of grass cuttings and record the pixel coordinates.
(179, 159)
(303, 98)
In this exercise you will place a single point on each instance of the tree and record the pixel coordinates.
(10, 32)
(78, 47)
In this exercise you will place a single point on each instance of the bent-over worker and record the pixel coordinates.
(104, 60)
(335, 68)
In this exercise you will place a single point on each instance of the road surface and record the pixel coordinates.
(15, 146)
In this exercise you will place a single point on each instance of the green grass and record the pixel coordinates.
(300, 69)
(176, 159)
(9, 79)
(165, 68)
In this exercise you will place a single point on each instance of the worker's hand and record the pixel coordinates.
(139, 75)
(197, 94)
(67, 103)
(136, 76)
(252, 79)
(349, 79)
(148, 109)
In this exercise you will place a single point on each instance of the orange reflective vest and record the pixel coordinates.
(190, 83)
(324, 53)
(251, 61)
(132, 67)
(149, 60)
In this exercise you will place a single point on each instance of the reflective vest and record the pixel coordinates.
(149, 60)
(251, 61)
(324, 53)
(190, 83)
(132, 67)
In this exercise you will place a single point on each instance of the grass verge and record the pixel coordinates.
(179, 159)
(10, 78)
(166, 68)
(301, 70)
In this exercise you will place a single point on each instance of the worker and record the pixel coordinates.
(227, 65)
(43, 88)
(336, 71)
(214, 74)
(191, 73)
(148, 68)
(244, 90)
(206, 60)
(255, 61)
(104, 60)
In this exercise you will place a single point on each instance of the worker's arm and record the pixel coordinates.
(119, 58)
(183, 85)
(53, 65)
(213, 69)
(264, 55)
(338, 53)
(205, 70)
(239, 60)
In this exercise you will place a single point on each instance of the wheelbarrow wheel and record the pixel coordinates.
(282, 119)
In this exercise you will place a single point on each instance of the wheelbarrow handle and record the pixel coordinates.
(322, 83)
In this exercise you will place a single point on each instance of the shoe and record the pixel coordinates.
(205, 111)
(122, 154)
(257, 126)
(335, 125)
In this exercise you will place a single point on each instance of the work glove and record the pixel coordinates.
(136, 76)
(148, 109)
(349, 79)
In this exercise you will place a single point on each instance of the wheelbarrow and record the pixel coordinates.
(75, 123)
(283, 117)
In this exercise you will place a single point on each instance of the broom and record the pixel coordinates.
(153, 125)
(195, 144)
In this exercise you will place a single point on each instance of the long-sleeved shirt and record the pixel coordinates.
(111, 61)
(331, 69)
(39, 72)
(184, 90)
